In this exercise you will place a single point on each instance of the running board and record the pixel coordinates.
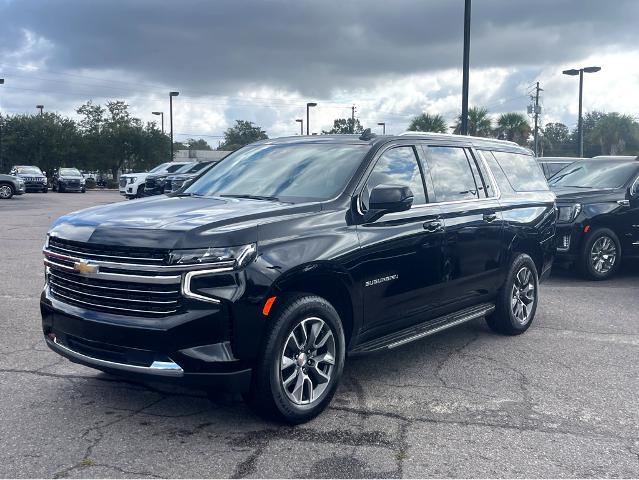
(422, 330)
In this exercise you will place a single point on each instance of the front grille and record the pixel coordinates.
(108, 352)
(129, 298)
(177, 184)
(119, 254)
(123, 182)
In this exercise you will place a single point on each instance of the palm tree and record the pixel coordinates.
(428, 123)
(614, 132)
(479, 123)
(513, 126)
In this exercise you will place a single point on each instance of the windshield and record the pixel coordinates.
(159, 168)
(185, 168)
(196, 167)
(30, 170)
(72, 172)
(300, 172)
(594, 174)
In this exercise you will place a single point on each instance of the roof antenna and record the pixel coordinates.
(367, 135)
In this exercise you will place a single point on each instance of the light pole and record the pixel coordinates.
(41, 108)
(301, 122)
(465, 70)
(580, 123)
(162, 114)
(1, 120)
(309, 105)
(383, 125)
(171, 95)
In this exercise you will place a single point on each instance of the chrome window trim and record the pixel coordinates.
(186, 283)
(168, 369)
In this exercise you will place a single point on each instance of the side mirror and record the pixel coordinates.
(633, 191)
(390, 198)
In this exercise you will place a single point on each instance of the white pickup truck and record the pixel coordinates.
(132, 184)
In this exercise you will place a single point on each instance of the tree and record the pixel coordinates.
(614, 133)
(243, 133)
(556, 141)
(479, 123)
(513, 126)
(344, 126)
(428, 123)
(192, 144)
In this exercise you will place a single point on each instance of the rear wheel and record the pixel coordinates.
(517, 300)
(6, 191)
(301, 362)
(600, 256)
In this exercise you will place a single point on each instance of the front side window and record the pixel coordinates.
(397, 166)
(452, 175)
(595, 174)
(287, 172)
(522, 171)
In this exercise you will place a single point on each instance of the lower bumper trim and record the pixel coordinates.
(166, 369)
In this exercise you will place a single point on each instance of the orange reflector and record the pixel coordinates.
(267, 306)
(586, 228)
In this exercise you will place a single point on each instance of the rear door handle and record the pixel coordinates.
(490, 217)
(434, 226)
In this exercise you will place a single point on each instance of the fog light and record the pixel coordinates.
(564, 243)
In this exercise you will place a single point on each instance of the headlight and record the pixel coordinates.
(569, 212)
(132, 179)
(231, 257)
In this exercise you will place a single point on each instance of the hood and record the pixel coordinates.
(587, 195)
(30, 175)
(129, 175)
(175, 222)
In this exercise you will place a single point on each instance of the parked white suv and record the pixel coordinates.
(132, 184)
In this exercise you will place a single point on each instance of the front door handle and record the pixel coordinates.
(434, 226)
(490, 217)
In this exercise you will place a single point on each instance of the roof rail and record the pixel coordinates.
(452, 135)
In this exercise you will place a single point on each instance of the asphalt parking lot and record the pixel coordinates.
(559, 401)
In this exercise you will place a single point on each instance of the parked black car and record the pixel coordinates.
(10, 186)
(34, 179)
(175, 181)
(552, 165)
(598, 222)
(290, 253)
(68, 180)
(156, 182)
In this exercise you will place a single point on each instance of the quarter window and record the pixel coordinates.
(397, 166)
(522, 171)
(452, 175)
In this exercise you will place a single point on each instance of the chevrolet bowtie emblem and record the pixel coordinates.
(85, 267)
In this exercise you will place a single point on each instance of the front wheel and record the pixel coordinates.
(6, 191)
(301, 361)
(600, 256)
(516, 303)
(45, 189)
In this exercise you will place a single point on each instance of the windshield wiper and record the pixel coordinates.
(252, 197)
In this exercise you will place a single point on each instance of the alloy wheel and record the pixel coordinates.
(5, 191)
(307, 361)
(523, 295)
(603, 254)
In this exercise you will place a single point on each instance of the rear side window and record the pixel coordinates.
(452, 176)
(522, 171)
(397, 166)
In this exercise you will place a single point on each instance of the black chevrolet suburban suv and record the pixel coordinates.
(598, 223)
(267, 271)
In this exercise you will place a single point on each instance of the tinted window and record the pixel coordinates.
(397, 166)
(197, 167)
(552, 168)
(595, 174)
(186, 167)
(498, 173)
(490, 190)
(523, 171)
(452, 176)
(290, 172)
(174, 168)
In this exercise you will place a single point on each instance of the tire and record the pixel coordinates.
(84, 190)
(54, 187)
(274, 390)
(6, 191)
(601, 255)
(516, 303)
(140, 192)
(45, 189)
(60, 189)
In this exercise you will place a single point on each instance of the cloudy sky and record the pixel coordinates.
(263, 60)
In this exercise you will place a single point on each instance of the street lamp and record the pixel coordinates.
(465, 68)
(301, 122)
(171, 95)
(580, 127)
(40, 107)
(162, 114)
(309, 105)
(383, 125)
(1, 161)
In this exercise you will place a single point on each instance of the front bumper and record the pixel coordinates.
(34, 186)
(569, 242)
(192, 347)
